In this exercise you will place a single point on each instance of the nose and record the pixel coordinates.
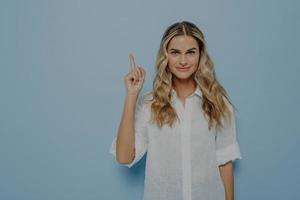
(182, 60)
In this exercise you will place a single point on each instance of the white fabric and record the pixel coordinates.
(182, 162)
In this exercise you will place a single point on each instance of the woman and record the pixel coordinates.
(186, 124)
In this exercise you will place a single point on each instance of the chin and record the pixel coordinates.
(183, 76)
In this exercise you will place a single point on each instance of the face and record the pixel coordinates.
(183, 56)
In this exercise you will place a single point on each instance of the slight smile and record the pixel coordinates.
(183, 69)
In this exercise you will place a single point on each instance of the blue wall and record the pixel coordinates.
(61, 84)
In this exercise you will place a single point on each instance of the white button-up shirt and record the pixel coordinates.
(182, 162)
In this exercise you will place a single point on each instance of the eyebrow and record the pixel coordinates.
(194, 48)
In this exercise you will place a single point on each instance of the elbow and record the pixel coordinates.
(124, 159)
(123, 162)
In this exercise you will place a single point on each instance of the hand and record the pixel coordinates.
(134, 80)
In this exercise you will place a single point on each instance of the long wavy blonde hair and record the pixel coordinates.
(213, 103)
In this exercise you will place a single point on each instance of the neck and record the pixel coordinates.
(184, 88)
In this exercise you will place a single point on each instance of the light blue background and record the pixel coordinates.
(62, 91)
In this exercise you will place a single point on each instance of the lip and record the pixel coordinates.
(182, 69)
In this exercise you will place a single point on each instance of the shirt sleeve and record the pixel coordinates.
(141, 139)
(227, 147)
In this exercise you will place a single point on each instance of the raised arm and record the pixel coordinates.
(125, 140)
(125, 144)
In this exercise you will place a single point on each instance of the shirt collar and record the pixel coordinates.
(196, 92)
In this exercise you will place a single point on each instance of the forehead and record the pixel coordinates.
(183, 42)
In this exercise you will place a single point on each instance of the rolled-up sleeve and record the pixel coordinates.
(227, 147)
(141, 139)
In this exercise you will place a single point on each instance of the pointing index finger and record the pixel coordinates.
(132, 62)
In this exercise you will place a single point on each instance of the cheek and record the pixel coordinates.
(194, 60)
(171, 62)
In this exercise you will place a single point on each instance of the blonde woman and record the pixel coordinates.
(186, 124)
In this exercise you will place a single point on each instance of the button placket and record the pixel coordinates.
(185, 149)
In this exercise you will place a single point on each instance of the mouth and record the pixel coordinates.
(183, 69)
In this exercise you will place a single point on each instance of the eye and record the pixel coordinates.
(191, 52)
(174, 52)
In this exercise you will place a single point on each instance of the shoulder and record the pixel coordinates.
(144, 105)
(145, 100)
(147, 97)
(228, 103)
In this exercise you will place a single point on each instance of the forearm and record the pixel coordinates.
(125, 140)
(226, 172)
